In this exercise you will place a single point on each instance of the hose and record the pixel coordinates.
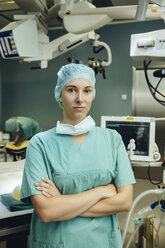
(137, 199)
(133, 234)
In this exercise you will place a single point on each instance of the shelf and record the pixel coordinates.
(146, 164)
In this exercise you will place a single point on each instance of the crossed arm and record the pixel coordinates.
(100, 201)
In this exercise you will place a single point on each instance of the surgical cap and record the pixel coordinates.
(72, 71)
(11, 125)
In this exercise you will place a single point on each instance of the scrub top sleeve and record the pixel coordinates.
(27, 129)
(34, 170)
(124, 175)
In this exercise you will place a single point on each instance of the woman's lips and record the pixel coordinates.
(79, 108)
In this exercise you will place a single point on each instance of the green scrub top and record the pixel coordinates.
(28, 127)
(74, 168)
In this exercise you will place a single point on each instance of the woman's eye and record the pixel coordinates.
(71, 90)
(88, 91)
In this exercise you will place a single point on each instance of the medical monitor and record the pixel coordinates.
(141, 129)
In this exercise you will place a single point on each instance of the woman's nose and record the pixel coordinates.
(79, 97)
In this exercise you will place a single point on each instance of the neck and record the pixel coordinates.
(79, 138)
(71, 121)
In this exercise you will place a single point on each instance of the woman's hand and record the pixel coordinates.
(109, 190)
(48, 188)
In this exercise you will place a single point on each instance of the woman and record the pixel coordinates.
(77, 175)
(23, 127)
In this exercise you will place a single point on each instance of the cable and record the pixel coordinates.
(147, 79)
(157, 86)
(149, 176)
(153, 90)
(150, 86)
(148, 82)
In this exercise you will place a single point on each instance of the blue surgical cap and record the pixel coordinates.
(72, 71)
(11, 125)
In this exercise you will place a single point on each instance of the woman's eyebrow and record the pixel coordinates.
(73, 86)
(70, 86)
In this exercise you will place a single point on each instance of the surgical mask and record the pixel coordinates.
(83, 127)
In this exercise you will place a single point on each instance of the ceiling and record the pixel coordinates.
(9, 8)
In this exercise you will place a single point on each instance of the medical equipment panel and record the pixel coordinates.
(141, 129)
(13, 45)
(148, 46)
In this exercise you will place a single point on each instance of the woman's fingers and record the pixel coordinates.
(47, 187)
(46, 180)
(112, 189)
(109, 190)
(46, 194)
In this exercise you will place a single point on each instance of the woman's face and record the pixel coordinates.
(76, 97)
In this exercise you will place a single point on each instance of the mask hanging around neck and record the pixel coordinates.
(83, 127)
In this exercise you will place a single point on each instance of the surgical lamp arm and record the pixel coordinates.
(142, 9)
(53, 49)
(97, 43)
(97, 65)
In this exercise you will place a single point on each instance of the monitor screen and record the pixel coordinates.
(141, 129)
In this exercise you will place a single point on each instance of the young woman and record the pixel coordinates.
(77, 175)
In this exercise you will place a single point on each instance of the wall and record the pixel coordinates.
(1, 93)
(0, 99)
(31, 92)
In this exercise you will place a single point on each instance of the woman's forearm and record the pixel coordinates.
(121, 202)
(16, 138)
(64, 207)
